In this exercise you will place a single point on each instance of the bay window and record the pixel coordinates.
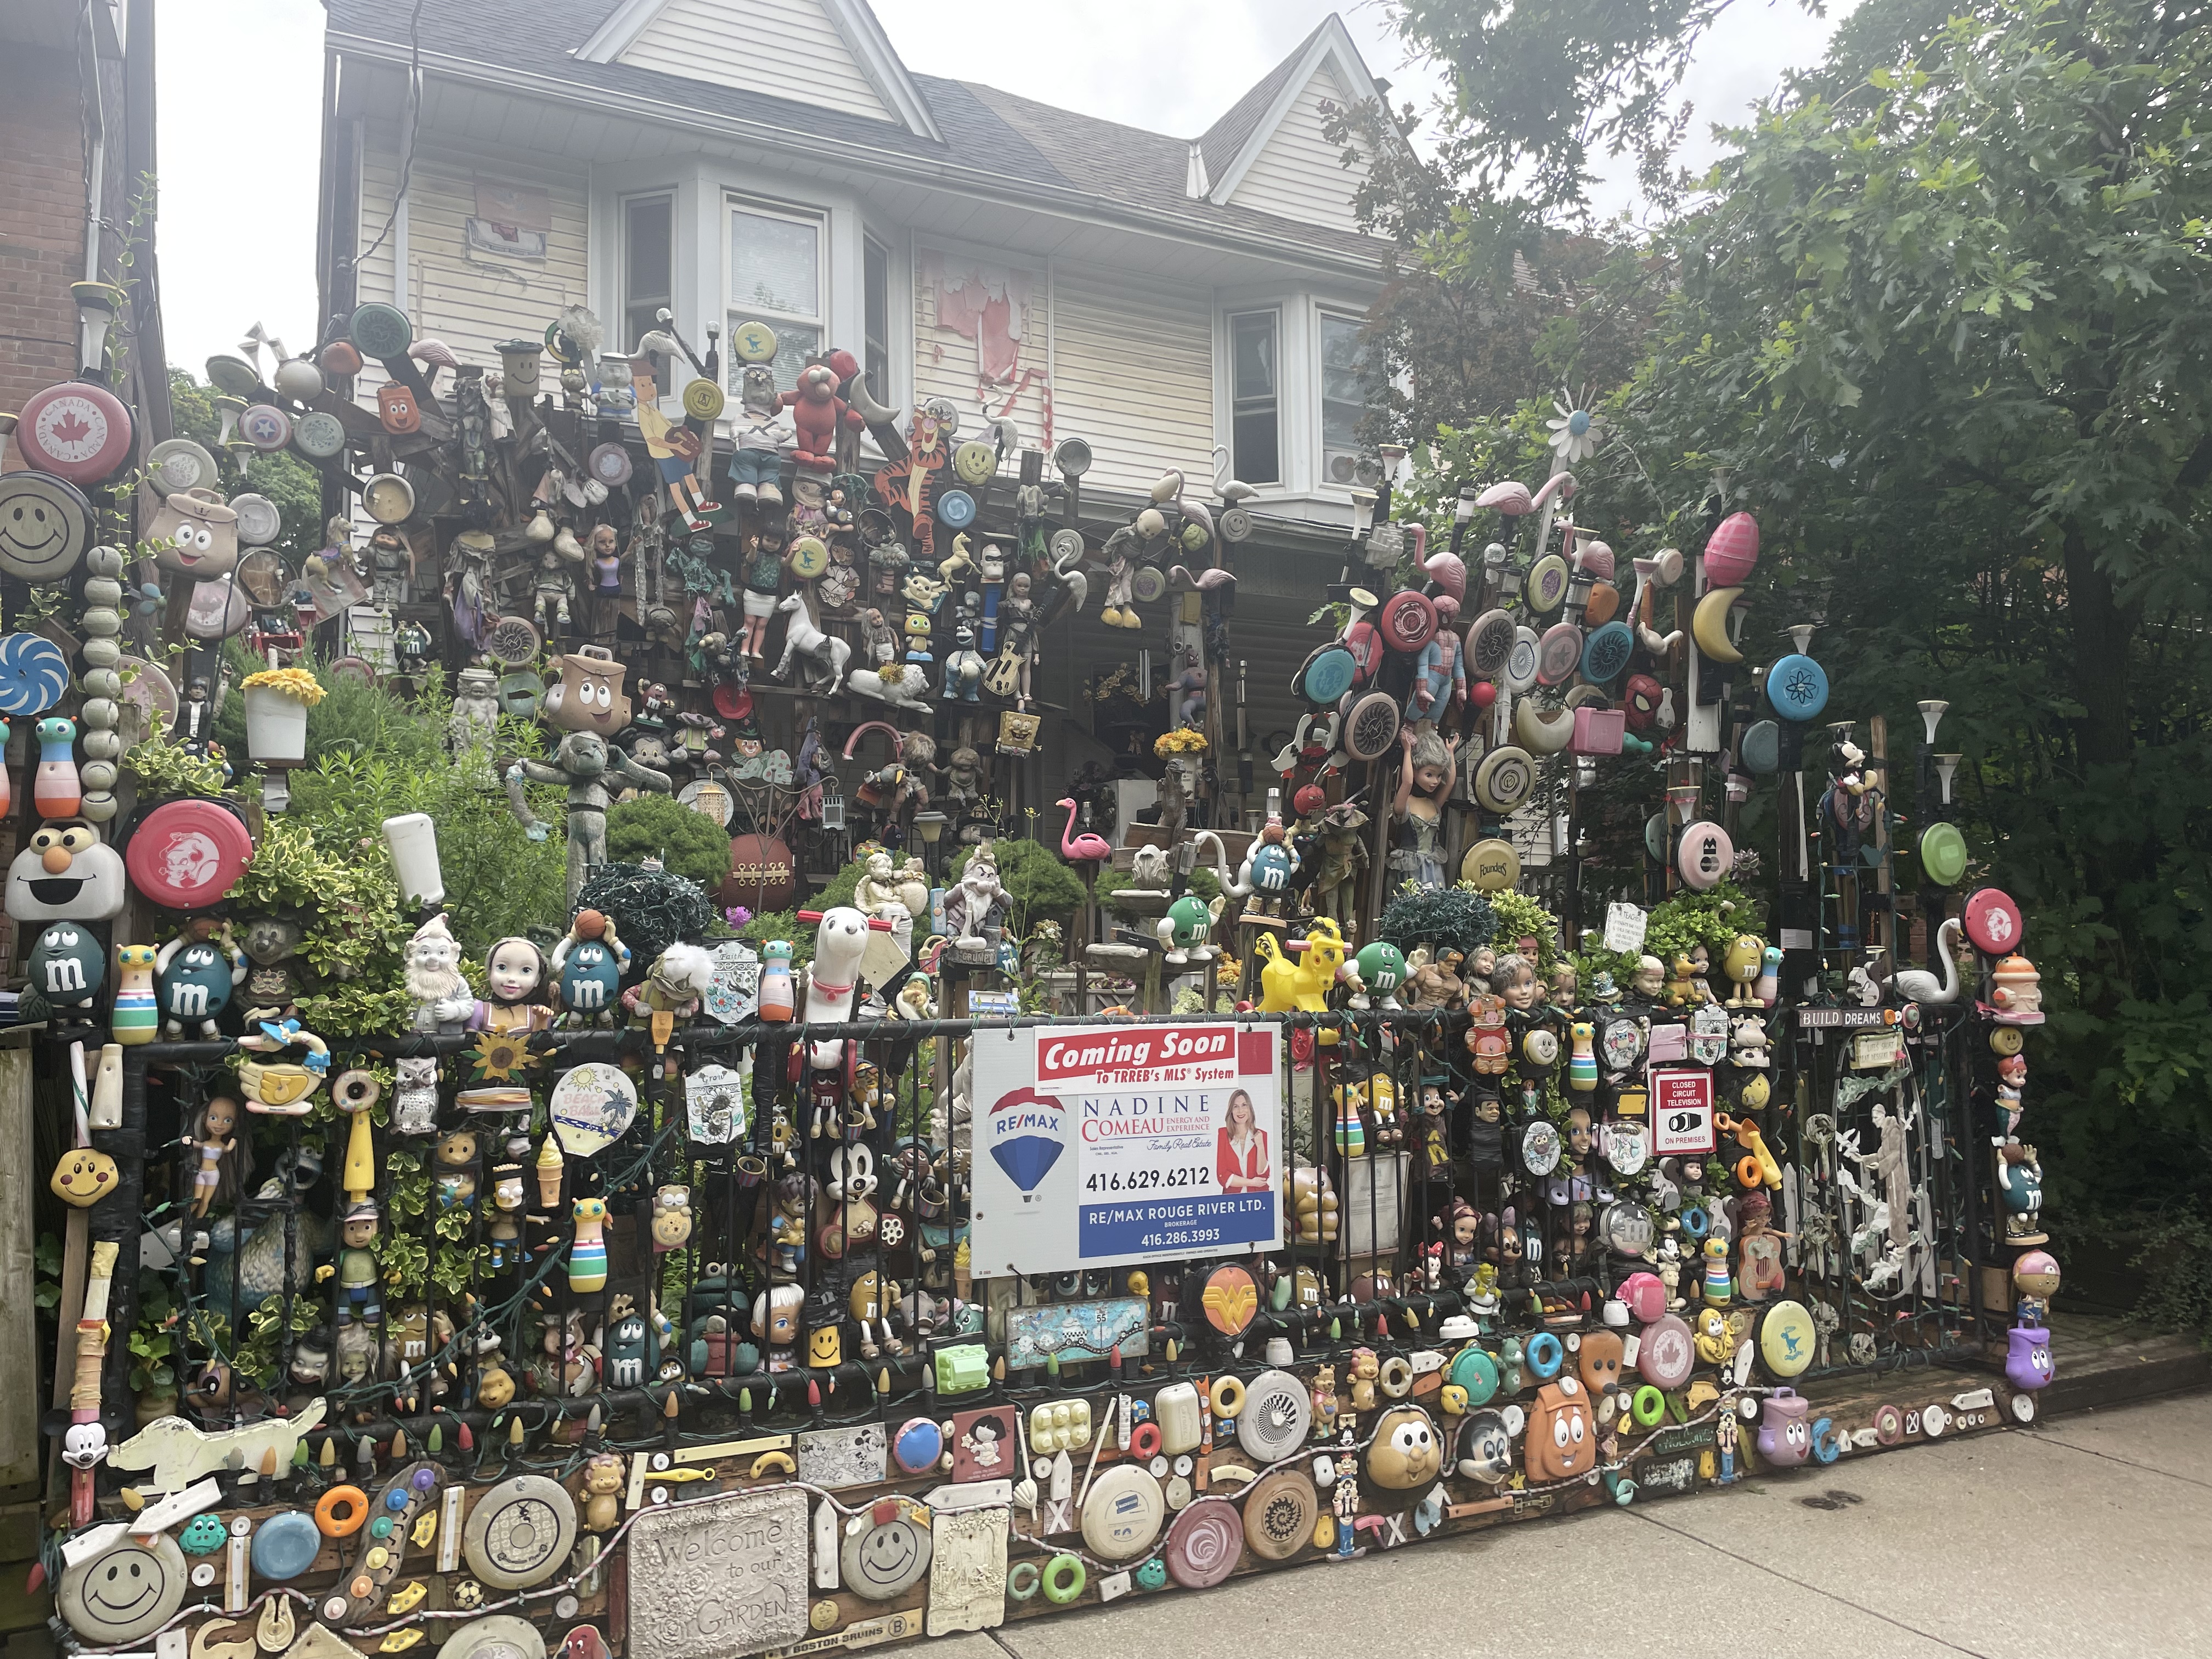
(776, 268)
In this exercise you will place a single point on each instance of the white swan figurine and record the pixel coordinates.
(1919, 985)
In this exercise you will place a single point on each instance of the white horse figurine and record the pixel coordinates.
(802, 637)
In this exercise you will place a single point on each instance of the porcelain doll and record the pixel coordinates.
(514, 977)
(1425, 781)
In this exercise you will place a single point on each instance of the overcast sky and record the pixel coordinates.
(241, 88)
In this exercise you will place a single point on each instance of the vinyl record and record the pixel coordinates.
(1605, 652)
(1522, 661)
(1277, 1416)
(1798, 688)
(1279, 1512)
(1505, 778)
(1559, 653)
(1408, 621)
(1489, 643)
(1371, 726)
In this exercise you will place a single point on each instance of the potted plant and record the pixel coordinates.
(276, 704)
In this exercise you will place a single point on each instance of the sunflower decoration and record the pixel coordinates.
(499, 1056)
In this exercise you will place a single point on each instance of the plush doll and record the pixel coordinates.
(815, 411)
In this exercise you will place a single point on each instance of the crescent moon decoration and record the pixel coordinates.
(34, 674)
(1710, 625)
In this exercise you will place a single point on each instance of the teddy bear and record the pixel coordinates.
(815, 411)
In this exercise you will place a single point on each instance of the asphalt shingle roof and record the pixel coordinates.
(1018, 139)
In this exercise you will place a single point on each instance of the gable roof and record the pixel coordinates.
(1231, 144)
(854, 21)
(535, 48)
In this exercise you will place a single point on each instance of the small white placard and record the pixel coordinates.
(1625, 926)
(1796, 939)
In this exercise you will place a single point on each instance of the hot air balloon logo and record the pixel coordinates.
(1025, 1136)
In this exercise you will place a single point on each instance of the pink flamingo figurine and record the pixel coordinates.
(1086, 848)
(1514, 499)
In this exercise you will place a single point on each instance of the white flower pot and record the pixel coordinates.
(275, 725)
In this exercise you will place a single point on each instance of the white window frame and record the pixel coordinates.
(621, 310)
(1284, 403)
(1298, 397)
(735, 310)
(1325, 314)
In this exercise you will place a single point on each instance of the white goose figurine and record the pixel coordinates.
(1919, 985)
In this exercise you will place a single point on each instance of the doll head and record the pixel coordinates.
(514, 971)
(1514, 979)
(1430, 762)
(1650, 977)
(1465, 1224)
(1580, 1135)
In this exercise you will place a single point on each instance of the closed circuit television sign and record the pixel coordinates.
(1100, 1145)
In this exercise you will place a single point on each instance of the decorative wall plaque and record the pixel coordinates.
(718, 1578)
(967, 1573)
(843, 1458)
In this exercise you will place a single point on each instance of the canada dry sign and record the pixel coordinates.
(1134, 1144)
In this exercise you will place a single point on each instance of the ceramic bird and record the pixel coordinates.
(1919, 985)
(1514, 499)
(1086, 848)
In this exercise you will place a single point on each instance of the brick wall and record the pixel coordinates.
(42, 202)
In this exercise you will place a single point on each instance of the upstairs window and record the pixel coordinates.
(876, 325)
(648, 267)
(1255, 408)
(775, 276)
(1347, 388)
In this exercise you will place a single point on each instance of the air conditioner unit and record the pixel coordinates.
(1341, 467)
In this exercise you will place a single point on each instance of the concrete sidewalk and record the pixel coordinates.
(2092, 1536)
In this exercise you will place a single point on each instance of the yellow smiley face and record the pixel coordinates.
(822, 1348)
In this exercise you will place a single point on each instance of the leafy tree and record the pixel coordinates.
(690, 843)
(1943, 322)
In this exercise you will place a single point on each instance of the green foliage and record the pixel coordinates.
(163, 768)
(1038, 882)
(1456, 918)
(1712, 918)
(342, 885)
(1520, 917)
(688, 842)
(2175, 1258)
(257, 1357)
(1203, 881)
(293, 487)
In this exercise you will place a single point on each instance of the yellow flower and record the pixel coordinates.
(497, 1056)
(292, 682)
